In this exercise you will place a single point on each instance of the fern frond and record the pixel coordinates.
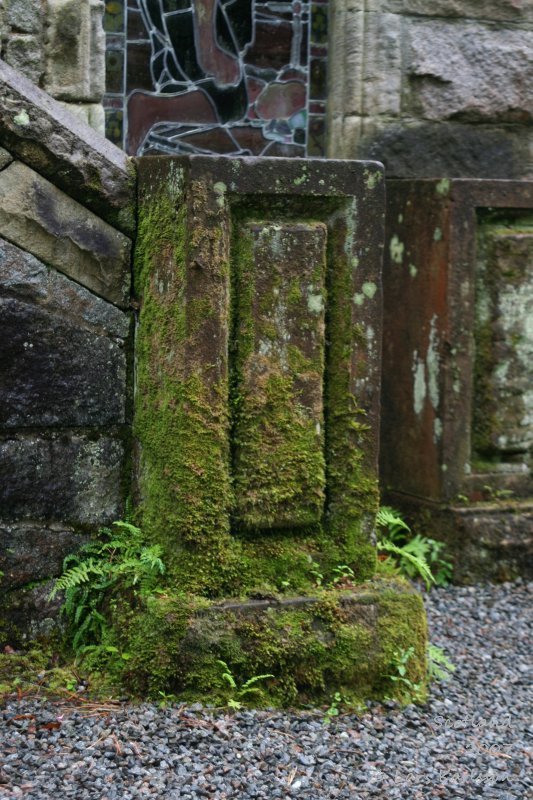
(81, 573)
(420, 563)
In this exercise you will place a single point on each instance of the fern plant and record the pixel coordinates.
(413, 555)
(118, 556)
(240, 693)
(410, 557)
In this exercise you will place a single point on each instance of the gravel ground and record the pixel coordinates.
(470, 741)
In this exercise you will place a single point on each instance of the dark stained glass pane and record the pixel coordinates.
(221, 76)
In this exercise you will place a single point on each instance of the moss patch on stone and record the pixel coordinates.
(334, 641)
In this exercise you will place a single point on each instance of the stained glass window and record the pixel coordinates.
(238, 77)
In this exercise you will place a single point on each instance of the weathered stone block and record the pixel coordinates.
(75, 50)
(234, 427)
(24, 16)
(23, 275)
(69, 478)
(485, 74)
(35, 128)
(309, 645)
(382, 71)
(92, 114)
(5, 158)
(25, 54)
(503, 371)
(425, 149)
(509, 10)
(39, 218)
(33, 552)
(345, 61)
(456, 419)
(52, 373)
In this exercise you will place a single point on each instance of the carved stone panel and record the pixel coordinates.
(258, 351)
(277, 391)
(502, 428)
(458, 355)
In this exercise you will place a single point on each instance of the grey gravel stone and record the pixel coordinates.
(469, 741)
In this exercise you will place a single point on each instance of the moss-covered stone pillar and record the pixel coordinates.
(258, 364)
(256, 420)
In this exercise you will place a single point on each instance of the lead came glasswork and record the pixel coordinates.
(237, 77)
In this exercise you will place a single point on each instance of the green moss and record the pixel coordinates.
(181, 416)
(352, 487)
(310, 650)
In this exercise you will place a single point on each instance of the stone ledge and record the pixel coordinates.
(63, 149)
(312, 646)
(41, 219)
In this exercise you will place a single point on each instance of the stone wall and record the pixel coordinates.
(60, 46)
(65, 244)
(433, 89)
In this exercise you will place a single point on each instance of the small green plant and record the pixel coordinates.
(167, 699)
(333, 709)
(400, 665)
(119, 557)
(413, 556)
(343, 573)
(439, 665)
(497, 495)
(316, 573)
(239, 694)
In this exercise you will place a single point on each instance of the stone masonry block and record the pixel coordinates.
(5, 158)
(39, 218)
(67, 477)
(51, 326)
(500, 10)
(34, 552)
(25, 54)
(345, 60)
(503, 391)
(382, 71)
(469, 72)
(279, 420)
(422, 148)
(91, 113)
(75, 50)
(36, 129)
(24, 16)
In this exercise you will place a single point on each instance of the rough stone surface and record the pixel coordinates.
(417, 148)
(24, 16)
(469, 73)
(32, 552)
(503, 404)
(75, 50)
(5, 158)
(189, 401)
(68, 477)
(90, 113)
(508, 10)
(24, 54)
(35, 128)
(382, 70)
(52, 373)
(433, 89)
(38, 217)
(279, 404)
(23, 275)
